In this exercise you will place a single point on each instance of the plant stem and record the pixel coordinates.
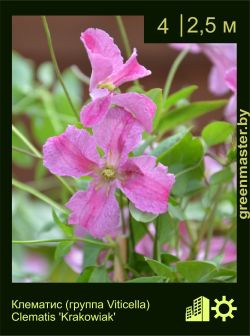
(122, 213)
(54, 61)
(74, 239)
(66, 185)
(172, 72)
(208, 223)
(120, 258)
(37, 154)
(39, 195)
(26, 142)
(23, 151)
(156, 242)
(123, 35)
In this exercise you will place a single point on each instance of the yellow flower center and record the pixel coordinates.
(109, 173)
(108, 86)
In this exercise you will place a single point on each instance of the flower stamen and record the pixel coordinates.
(109, 173)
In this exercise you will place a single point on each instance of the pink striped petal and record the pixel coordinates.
(129, 71)
(118, 134)
(147, 185)
(216, 81)
(95, 210)
(94, 112)
(73, 153)
(140, 106)
(103, 53)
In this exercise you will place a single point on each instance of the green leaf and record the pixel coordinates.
(181, 94)
(196, 271)
(40, 170)
(85, 275)
(62, 249)
(146, 279)
(175, 211)
(21, 159)
(160, 269)
(182, 155)
(67, 229)
(217, 132)
(144, 217)
(22, 76)
(42, 128)
(46, 74)
(75, 89)
(186, 113)
(169, 142)
(189, 181)
(94, 274)
(156, 96)
(140, 149)
(223, 176)
(167, 258)
(185, 160)
(168, 227)
(91, 253)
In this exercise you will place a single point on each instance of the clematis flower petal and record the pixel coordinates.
(129, 71)
(101, 68)
(216, 81)
(231, 79)
(103, 53)
(73, 153)
(96, 210)
(118, 134)
(94, 112)
(146, 185)
(140, 106)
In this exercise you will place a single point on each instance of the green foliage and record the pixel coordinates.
(161, 269)
(185, 160)
(46, 74)
(186, 113)
(217, 132)
(196, 271)
(184, 93)
(140, 216)
(94, 274)
(156, 96)
(22, 77)
(225, 175)
(62, 249)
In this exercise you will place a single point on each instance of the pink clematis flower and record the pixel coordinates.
(74, 153)
(224, 58)
(108, 72)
